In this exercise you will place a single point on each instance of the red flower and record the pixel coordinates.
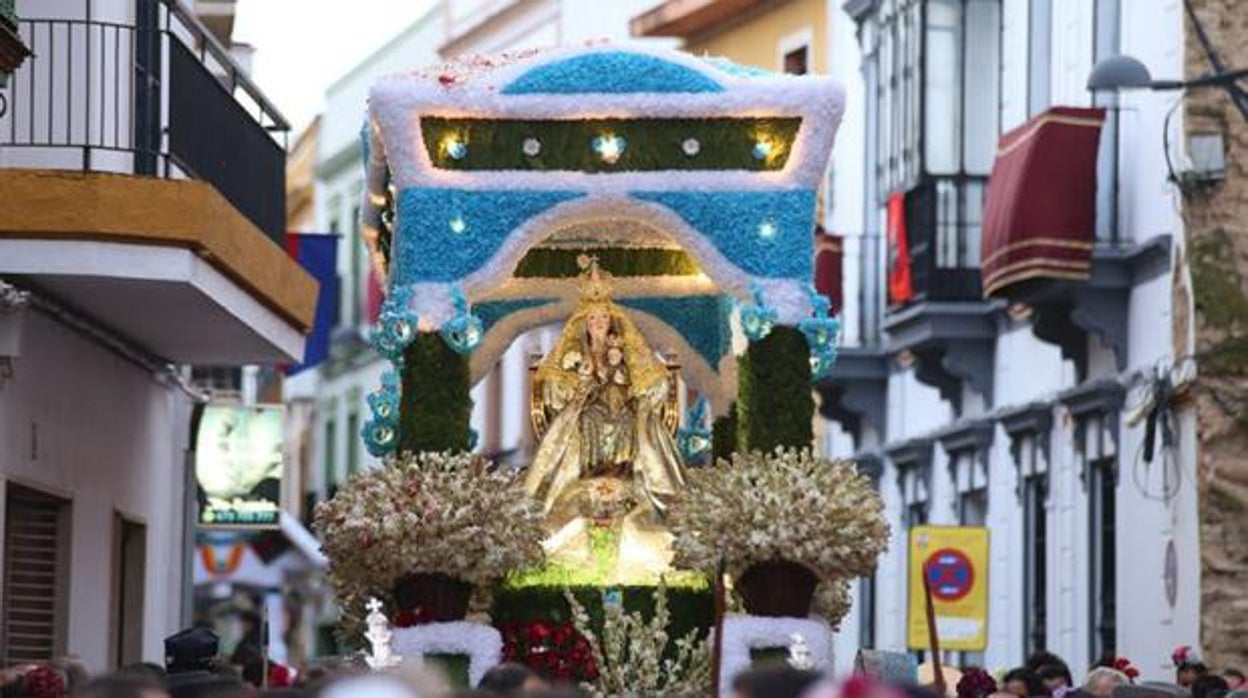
(1132, 673)
(43, 682)
(281, 676)
(446, 79)
(562, 634)
(1122, 663)
(404, 619)
(539, 632)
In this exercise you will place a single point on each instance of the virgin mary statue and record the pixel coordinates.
(607, 460)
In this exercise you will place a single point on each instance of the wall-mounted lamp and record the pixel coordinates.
(1122, 72)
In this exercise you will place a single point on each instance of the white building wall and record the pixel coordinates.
(79, 422)
(1026, 370)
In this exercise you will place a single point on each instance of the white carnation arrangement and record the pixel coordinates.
(785, 505)
(450, 513)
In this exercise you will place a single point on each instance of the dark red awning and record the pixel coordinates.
(1040, 209)
(829, 253)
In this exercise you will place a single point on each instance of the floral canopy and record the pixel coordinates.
(693, 179)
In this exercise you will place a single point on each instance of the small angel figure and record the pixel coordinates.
(799, 653)
(381, 656)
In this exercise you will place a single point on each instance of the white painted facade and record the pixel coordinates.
(1026, 370)
(97, 412)
(81, 423)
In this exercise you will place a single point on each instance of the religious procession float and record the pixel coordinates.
(661, 207)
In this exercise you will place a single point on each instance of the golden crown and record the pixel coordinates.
(595, 283)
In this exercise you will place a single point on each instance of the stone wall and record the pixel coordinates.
(1216, 217)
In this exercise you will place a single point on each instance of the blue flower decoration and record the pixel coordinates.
(396, 326)
(463, 331)
(694, 438)
(822, 331)
(757, 318)
(381, 433)
(380, 438)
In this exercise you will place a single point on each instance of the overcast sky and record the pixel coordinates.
(304, 45)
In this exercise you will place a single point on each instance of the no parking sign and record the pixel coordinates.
(955, 562)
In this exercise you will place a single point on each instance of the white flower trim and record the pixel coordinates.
(820, 101)
(743, 633)
(482, 643)
(395, 141)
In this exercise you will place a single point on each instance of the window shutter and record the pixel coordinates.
(35, 568)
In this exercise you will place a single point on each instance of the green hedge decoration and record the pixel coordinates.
(650, 144)
(436, 406)
(560, 262)
(690, 607)
(724, 434)
(774, 403)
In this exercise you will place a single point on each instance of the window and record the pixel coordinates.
(866, 611)
(1103, 531)
(1096, 448)
(353, 451)
(36, 576)
(915, 480)
(961, 79)
(330, 453)
(357, 269)
(795, 61)
(1039, 53)
(892, 48)
(129, 570)
(1035, 495)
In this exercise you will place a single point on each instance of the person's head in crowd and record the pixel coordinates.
(1187, 672)
(203, 684)
(74, 671)
(1102, 681)
(44, 681)
(976, 683)
(511, 679)
(1210, 686)
(147, 670)
(1054, 678)
(123, 685)
(191, 650)
(1022, 682)
(1044, 658)
(1235, 679)
(367, 686)
(776, 681)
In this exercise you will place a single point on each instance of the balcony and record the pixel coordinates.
(142, 98)
(142, 169)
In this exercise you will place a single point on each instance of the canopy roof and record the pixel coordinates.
(475, 163)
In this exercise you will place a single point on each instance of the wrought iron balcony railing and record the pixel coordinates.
(159, 96)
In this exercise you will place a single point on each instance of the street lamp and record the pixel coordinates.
(1122, 72)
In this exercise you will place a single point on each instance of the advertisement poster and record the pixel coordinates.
(238, 466)
(955, 560)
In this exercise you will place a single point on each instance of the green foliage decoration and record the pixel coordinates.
(724, 435)
(649, 144)
(560, 262)
(774, 403)
(436, 406)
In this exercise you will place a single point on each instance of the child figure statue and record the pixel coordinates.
(381, 656)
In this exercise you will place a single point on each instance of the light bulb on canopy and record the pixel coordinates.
(609, 147)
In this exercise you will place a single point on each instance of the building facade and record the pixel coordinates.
(131, 250)
(1017, 410)
(1215, 210)
(335, 391)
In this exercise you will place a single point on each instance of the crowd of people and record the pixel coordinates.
(192, 669)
